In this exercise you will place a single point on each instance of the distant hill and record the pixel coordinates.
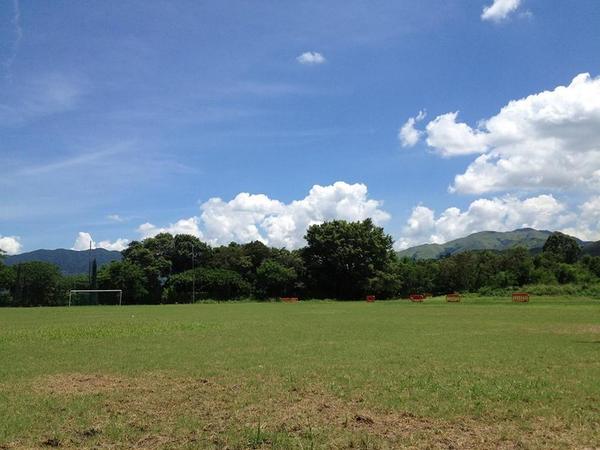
(485, 240)
(71, 262)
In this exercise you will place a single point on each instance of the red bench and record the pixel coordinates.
(520, 297)
(453, 298)
(289, 299)
(416, 297)
(370, 298)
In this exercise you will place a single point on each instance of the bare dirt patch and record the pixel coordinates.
(162, 411)
(76, 383)
(590, 328)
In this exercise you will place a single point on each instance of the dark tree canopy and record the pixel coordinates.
(128, 277)
(343, 260)
(37, 283)
(341, 257)
(565, 248)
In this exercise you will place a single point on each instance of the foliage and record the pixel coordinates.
(342, 260)
(341, 257)
(274, 279)
(128, 277)
(565, 248)
(218, 284)
(7, 279)
(37, 283)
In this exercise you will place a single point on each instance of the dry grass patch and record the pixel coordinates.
(78, 383)
(161, 411)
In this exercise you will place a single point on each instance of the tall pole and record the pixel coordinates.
(193, 276)
(90, 266)
(193, 269)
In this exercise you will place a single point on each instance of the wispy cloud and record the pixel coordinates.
(47, 94)
(18, 36)
(115, 218)
(73, 161)
(264, 88)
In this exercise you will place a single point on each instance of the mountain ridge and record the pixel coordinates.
(70, 262)
(529, 238)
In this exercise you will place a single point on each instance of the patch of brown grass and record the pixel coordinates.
(588, 328)
(161, 411)
(77, 384)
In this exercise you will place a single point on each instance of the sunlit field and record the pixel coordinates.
(483, 373)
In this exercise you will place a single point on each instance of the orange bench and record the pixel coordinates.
(453, 298)
(520, 297)
(289, 299)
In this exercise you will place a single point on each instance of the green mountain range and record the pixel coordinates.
(70, 262)
(529, 238)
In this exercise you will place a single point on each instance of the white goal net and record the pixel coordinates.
(95, 297)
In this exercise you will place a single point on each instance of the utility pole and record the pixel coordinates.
(193, 270)
(90, 266)
(193, 275)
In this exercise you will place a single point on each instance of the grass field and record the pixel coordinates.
(484, 373)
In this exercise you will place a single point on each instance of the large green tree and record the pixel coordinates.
(217, 284)
(273, 279)
(7, 279)
(342, 257)
(565, 248)
(128, 277)
(37, 283)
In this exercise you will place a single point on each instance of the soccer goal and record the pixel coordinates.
(95, 297)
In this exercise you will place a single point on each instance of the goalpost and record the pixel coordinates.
(92, 291)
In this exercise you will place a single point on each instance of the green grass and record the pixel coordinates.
(484, 372)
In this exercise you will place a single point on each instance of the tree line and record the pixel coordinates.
(341, 260)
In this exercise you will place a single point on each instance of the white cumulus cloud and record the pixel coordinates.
(548, 140)
(587, 224)
(497, 214)
(118, 245)
(256, 217)
(499, 10)
(83, 240)
(183, 226)
(451, 138)
(238, 219)
(311, 58)
(408, 134)
(11, 245)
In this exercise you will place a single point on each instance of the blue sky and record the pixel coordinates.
(122, 119)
